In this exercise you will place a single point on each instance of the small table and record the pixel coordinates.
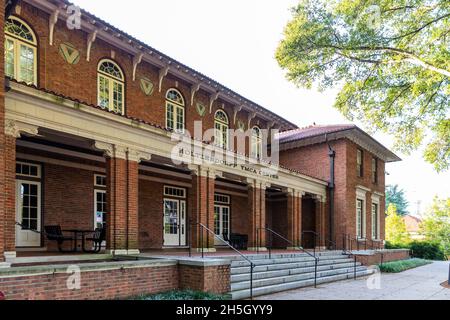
(76, 233)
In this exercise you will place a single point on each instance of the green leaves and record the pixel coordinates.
(391, 61)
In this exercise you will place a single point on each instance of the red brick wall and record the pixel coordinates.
(214, 279)
(201, 209)
(2, 136)
(385, 256)
(80, 80)
(239, 217)
(150, 215)
(10, 194)
(314, 160)
(62, 190)
(95, 285)
(122, 198)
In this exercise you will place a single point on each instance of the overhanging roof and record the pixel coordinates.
(102, 29)
(321, 134)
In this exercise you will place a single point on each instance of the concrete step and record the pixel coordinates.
(263, 262)
(265, 255)
(237, 286)
(292, 265)
(289, 271)
(264, 290)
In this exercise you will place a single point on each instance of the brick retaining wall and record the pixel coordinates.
(385, 255)
(106, 281)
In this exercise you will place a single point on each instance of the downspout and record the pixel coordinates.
(331, 187)
(128, 201)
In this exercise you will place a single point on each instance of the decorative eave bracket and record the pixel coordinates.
(194, 89)
(136, 61)
(162, 74)
(90, 40)
(236, 110)
(52, 22)
(212, 99)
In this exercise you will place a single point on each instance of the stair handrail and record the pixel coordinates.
(321, 238)
(202, 227)
(315, 234)
(316, 259)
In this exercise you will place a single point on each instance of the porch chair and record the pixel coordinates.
(98, 237)
(54, 233)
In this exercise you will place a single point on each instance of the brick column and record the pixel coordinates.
(12, 132)
(256, 215)
(122, 173)
(2, 137)
(321, 223)
(202, 208)
(294, 217)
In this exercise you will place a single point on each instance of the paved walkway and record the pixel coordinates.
(423, 283)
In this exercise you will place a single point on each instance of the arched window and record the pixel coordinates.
(221, 129)
(175, 111)
(111, 87)
(20, 51)
(256, 143)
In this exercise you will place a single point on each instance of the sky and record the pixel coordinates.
(234, 42)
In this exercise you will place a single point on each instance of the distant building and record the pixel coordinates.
(413, 227)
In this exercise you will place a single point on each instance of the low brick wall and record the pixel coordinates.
(383, 256)
(110, 282)
(213, 278)
(114, 280)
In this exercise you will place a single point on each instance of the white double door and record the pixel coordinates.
(174, 222)
(28, 214)
(221, 223)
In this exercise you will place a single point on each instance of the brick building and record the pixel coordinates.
(87, 119)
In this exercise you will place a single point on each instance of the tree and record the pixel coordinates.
(396, 196)
(396, 232)
(390, 60)
(436, 225)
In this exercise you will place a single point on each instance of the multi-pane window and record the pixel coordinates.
(374, 170)
(175, 192)
(360, 218)
(256, 143)
(175, 111)
(100, 180)
(221, 129)
(20, 51)
(28, 170)
(375, 222)
(360, 163)
(111, 87)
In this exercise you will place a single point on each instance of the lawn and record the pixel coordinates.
(403, 265)
(183, 295)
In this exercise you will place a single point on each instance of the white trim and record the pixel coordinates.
(39, 214)
(96, 191)
(37, 166)
(363, 222)
(95, 180)
(166, 194)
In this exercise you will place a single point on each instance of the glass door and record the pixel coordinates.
(174, 222)
(28, 213)
(221, 223)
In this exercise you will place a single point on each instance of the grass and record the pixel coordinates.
(183, 295)
(403, 265)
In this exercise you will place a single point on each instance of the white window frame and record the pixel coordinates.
(256, 144)
(170, 195)
(221, 133)
(112, 80)
(376, 201)
(95, 204)
(17, 42)
(361, 196)
(38, 167)
(99, 176)
(176, 107)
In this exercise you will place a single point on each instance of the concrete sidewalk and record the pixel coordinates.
(423, 283)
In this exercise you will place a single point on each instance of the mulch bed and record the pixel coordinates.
(445, 285)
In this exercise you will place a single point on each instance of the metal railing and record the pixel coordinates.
(267, 229)
(319, 239)
(350, 243)
(202, 228)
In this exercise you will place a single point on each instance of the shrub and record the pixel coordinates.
(403, 265)
(427, 250)
(183, 295)
(421, 249)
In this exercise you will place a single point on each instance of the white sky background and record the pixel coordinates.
(234, 42)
